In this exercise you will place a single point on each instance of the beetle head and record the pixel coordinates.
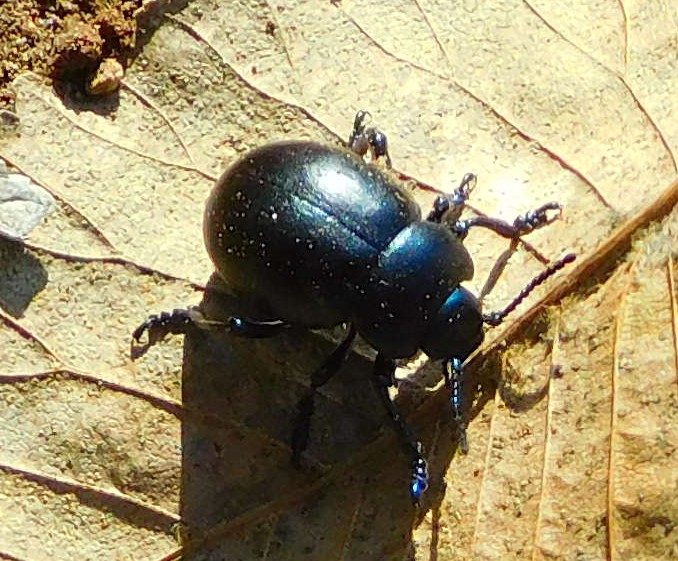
(456, 330)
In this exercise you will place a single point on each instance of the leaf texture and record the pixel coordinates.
(184, 452)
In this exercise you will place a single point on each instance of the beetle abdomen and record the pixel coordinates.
(295, 229)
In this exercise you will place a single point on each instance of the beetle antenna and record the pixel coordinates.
(495, 318)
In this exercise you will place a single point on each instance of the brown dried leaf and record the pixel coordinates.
(184, 452)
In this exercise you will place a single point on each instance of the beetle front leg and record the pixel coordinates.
(364, 138)
(384, 377)
(453, 373)
(306, 405)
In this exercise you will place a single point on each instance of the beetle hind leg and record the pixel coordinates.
(181, 321)
(306, 405)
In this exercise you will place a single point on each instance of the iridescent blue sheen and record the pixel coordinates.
(314, 236)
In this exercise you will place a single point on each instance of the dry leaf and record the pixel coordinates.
(185, 451)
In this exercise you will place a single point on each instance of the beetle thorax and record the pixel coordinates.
(415, 275)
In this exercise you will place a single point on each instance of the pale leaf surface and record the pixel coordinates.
(184, 452)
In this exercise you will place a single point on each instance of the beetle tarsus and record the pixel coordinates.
(419, 479)
(158, 326)
(537, 218)
(452, 205)
(363, 138)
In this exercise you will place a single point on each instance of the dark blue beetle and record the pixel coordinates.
(310, 235)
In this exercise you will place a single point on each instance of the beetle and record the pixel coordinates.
(315, 236)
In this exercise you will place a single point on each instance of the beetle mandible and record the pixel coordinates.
(315, 236)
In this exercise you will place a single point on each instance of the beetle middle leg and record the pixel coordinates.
(306, 405)
(181, 321)
(522, 225)
(448, 208)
